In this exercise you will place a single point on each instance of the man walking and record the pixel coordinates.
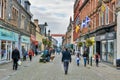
(15, 57)
(66, 58)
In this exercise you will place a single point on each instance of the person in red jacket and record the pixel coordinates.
(97, 56)
(30, 53)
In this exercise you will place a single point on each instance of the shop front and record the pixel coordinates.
(25, 42)
(105, 44)
(34, 42)
(8, 41)
(39, 39)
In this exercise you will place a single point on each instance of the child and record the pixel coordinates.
(97, 59)
(78, 59)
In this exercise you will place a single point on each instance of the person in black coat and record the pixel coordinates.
(66, 58)
(15, 57)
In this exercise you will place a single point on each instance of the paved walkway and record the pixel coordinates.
(54, 71)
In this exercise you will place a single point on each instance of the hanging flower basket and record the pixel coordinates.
(80, 44)
(89, 42)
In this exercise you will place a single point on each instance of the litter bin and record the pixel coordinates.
(118, 62)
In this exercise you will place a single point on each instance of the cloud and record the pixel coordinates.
(55, 12)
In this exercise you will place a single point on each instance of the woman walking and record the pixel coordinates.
(30, 53)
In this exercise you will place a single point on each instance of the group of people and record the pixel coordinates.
(66, 59)
(16, 57)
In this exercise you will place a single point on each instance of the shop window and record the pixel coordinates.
(3, 50)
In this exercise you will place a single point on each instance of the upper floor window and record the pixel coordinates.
(22, 22)
(28, 27)
(113, 12)
(19, 1)
(0, 8)
(15, 15)
(100, 18)
(107, 15)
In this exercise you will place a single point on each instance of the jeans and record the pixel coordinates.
(15, 64)
(66, 65)
(30, 56)
(84, 61)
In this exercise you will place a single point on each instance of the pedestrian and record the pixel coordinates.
(66, 58)
(85, 58)
(24, 53)
(30, 53)
(78, 58)
(15, 58)
(97, 58)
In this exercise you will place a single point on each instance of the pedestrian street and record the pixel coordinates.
(54, 71)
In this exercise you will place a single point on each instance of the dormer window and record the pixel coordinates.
(19, 1)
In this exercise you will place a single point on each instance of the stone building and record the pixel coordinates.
(14, 27)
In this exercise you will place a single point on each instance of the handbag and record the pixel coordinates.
(19, 62)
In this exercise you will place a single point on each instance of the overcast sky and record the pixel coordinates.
(55, 12)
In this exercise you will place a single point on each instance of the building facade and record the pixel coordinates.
(14, 27)
(101, 27)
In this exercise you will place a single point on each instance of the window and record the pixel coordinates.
(14, 15)
(0, 8)
(113, 13)
(22, 22)
(95, 23)
(19, 1)
(28, 27)
(99, 18)
(107, 15)
(102, 18)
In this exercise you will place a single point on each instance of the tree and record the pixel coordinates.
(44, 41)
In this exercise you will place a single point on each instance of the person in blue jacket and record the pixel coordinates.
(66, 58)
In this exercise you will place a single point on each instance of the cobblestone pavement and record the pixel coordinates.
(54, 71)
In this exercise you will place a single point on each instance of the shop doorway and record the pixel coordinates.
(98, 48)
(9, 50)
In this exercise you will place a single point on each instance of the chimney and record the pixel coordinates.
(36, 22)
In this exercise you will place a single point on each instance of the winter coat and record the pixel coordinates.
(15, 54)
(66, 56)
(30, 53)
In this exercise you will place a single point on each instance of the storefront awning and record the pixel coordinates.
(33, 40)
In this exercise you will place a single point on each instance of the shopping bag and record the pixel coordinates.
(19, 62)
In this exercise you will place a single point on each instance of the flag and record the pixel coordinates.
(83, 24)
(103, 8)
(87, 20)
(77, 28)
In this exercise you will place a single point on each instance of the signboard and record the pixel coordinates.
(25, 39)
(8, 35)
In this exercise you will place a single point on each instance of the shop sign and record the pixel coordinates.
(25, 39)
(110, 35)
(7, 35)
(106, 36)
(16, 36)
